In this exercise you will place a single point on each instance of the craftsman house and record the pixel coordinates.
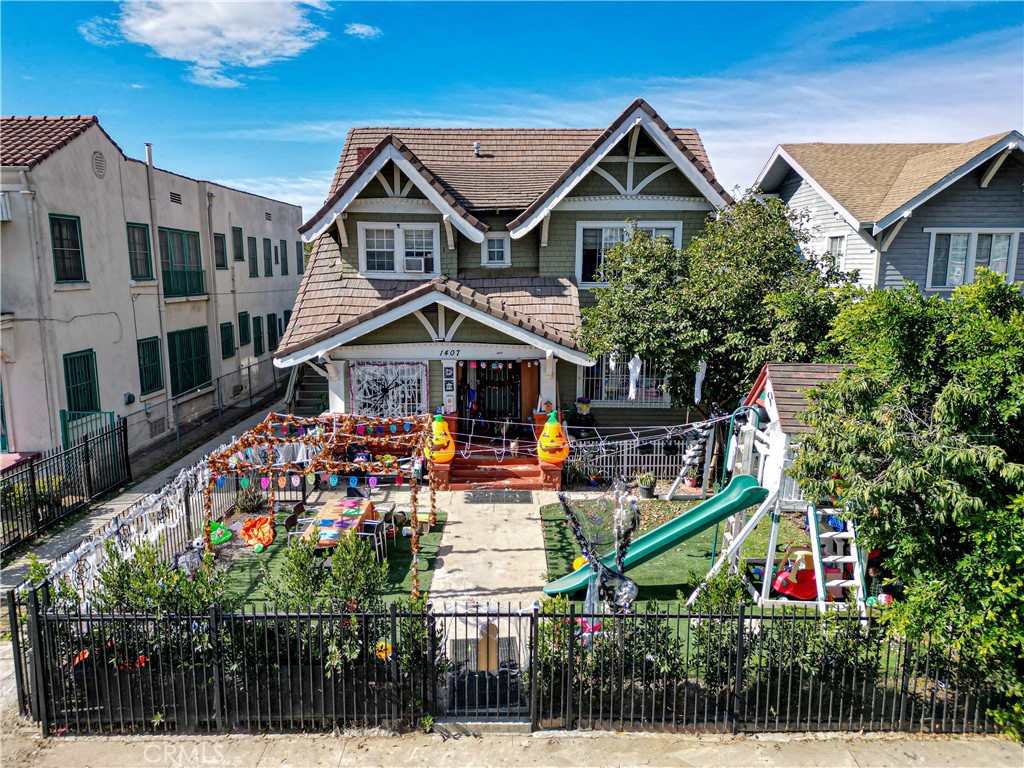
(449, 267)
(930, 214)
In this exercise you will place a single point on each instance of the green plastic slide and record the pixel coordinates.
(742, 492)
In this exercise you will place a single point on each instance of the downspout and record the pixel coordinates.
(166, 357)
(36, 248)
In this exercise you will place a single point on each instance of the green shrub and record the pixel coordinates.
(18, 494)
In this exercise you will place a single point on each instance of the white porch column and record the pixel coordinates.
(548, 382)
(337, 386)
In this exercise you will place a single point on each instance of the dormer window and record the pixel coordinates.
(495, 250)
(398, 250)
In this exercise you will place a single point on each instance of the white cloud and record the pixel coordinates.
(363, 31)
(217, 40)
(307, 191)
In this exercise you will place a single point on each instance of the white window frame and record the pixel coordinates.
(841, 256)
(972, 248)
(620, 365)
(675, 226)
(398, 228)
(504, 236)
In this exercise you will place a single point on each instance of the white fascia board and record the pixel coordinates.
(372, 324)
(672, 152)
(390, 154)
(785, 156)
(981, 158)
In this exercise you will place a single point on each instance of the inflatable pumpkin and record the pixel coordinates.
(442, 447)
(552, 446)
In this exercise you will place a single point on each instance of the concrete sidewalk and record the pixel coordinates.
(60, 541)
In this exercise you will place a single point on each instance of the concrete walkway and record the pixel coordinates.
(490, 552)
(60, 541)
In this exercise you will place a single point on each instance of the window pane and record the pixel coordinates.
(940, 260)
(67, 249)
(591, 254)
(419, 244)
(957, 259)
(189, 358)
(997, 252)
(151, 375)
(380, 250)
(138, 252)
(220, 252)
(192, 250)
(496, 250)
(80, 383)
(600, 383)
(237, 244)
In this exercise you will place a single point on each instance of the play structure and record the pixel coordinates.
(762, 438)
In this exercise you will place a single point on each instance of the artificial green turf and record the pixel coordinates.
(245, 580)
(680, 569)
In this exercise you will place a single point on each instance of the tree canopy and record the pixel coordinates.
(923, 440)
(747, 290)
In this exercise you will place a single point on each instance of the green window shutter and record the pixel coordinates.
(284, 257)
(287, 318)
(237, 244)
(300, 258)
(268, 258)
(257, 336)
(227, 341)
(80, 383)
(220, 251)
(254, 268)
(66, 239)
(139, 258)
(244, 331)
(151, 372)
(189, 356)
(272, 335)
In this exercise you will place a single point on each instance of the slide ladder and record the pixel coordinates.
(837, 549)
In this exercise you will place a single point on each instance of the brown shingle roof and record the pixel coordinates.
(873, 180)
(545, 306)
(516, 165)
(790, 382)
(27, 141)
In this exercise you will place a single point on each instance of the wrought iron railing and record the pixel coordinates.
(184, 282)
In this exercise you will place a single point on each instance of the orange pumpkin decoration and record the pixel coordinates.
(553, 446)
(442, 447)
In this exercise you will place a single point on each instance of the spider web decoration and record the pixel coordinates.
(388, 389)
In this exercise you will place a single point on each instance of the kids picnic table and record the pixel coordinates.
(338, 518)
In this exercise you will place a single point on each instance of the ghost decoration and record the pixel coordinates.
(635, 365)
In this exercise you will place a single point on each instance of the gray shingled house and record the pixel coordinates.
(930, 214)
(449, 266)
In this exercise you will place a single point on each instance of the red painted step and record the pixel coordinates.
(519, 484)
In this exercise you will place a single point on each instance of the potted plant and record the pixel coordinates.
(692, 477)
(645, 484)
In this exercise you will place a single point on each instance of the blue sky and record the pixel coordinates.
(260, 95)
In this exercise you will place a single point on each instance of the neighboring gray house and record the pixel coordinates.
(929, 214)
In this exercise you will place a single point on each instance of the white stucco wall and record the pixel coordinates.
(110, 311)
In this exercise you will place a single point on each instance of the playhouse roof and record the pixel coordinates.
(789, 383)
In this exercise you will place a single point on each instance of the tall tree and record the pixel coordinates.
(746, 291)
(923, 440)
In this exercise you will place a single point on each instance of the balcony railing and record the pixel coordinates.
(184, 282)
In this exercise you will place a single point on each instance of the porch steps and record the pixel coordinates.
(310, 395)
(478, 473)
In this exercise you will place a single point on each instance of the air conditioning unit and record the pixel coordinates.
(414, 264)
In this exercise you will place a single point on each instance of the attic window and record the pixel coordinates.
(267, 216)
(99, 165)
(362, 152)
(176, 197)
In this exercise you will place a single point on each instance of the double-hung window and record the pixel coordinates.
(268, 258)
(181, 263)
(139, 260)
(284, 258)
(66, 237)
(220, 251)
(398, 250)
(237, 244)
(603, 385)
(836, 247)
(594, 239)
(254, 265)
(151, 373)
(496, 251)
(189, 356)
(956, 254)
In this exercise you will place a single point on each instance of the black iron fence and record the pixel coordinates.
(38, 494)
(554, 668)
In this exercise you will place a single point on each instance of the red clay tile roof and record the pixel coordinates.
(516, 165)
(27, 141)
(790, 382)
(546, 306)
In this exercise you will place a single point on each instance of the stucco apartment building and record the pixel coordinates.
(128, 290)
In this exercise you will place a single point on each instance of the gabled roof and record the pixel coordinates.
(27, 141)
(873, 183)
(544, 306)
(790, 382)
(517, 168)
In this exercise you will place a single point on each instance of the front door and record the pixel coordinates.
(490, 394)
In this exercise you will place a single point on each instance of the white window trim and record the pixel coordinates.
(508, 250)
(972, 247)
(677, 241)
(666, 399)
(841, 257)
(398, 228)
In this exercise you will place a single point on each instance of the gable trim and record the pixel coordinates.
(390, 150)
(635, 117)
(1011, 141)
(781, 155)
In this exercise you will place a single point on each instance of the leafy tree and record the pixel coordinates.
(746, 291)
(922, 439)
